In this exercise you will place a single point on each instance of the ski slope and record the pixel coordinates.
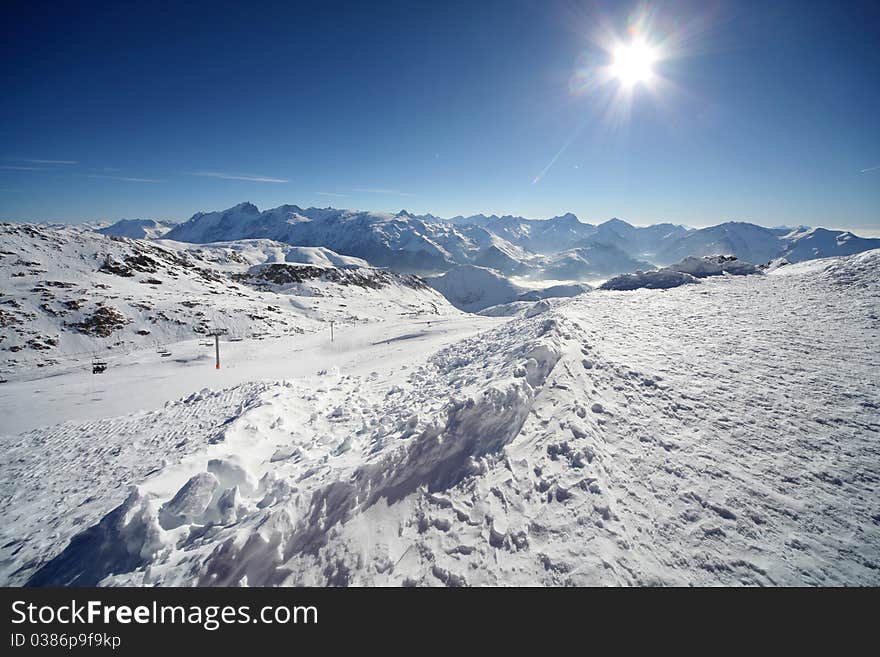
(143, 379)
(724, 433)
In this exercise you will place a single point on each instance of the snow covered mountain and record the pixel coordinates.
(137, 228)
(537, 236)
(265, 251)
(807, 244)
(560, 247)
(757, 245)
(469, 259)
(748, 242)
(593, 260)
(721, 433)
(400, 241)
(473, 288)
(641, 241)
(68, 294)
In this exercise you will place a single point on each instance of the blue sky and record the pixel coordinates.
(759, 111)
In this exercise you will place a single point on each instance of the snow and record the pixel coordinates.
(71, 295)
(657, 279)
(456, 253)
(589, 262)
(472, 289)
(821, 243)
(137, 228)
(562, 290)
(260, 251)
(561, 247)
(143, 380)
(721, 433)
(747, 241)
(756, 244)
(714, 266)
(507, 309)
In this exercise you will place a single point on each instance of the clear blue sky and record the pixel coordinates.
(763, 111)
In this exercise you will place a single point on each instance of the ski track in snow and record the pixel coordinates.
(720, 433)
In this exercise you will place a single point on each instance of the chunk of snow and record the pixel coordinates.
(658, 279)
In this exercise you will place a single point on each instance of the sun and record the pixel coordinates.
(633, 63)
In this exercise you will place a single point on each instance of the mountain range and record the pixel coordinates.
(558, 248)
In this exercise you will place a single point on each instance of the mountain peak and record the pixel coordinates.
(567, 218)
(247, 207)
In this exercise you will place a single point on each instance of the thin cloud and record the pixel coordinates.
(372, 190)
(235, 176)
(49, 161)
(333, 194)
(870, 169)
(14, 168)
(29, 160)
(125, 178)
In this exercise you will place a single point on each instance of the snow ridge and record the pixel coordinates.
(400, 453)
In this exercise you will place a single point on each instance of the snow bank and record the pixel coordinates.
(124, 539)
(774, 264)
(234, 518)
(857, 270)
(511, 309)
(537, 309)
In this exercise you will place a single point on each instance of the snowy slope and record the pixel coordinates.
(137, 228)
(822, 243)
(758, 245)
(720, 433)
(67, 295)
(259, 251)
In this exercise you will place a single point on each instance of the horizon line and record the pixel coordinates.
(864, 230)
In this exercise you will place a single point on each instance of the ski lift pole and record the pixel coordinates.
(217, 333)
(331, 330)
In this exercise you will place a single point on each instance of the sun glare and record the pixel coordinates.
(633, 63)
